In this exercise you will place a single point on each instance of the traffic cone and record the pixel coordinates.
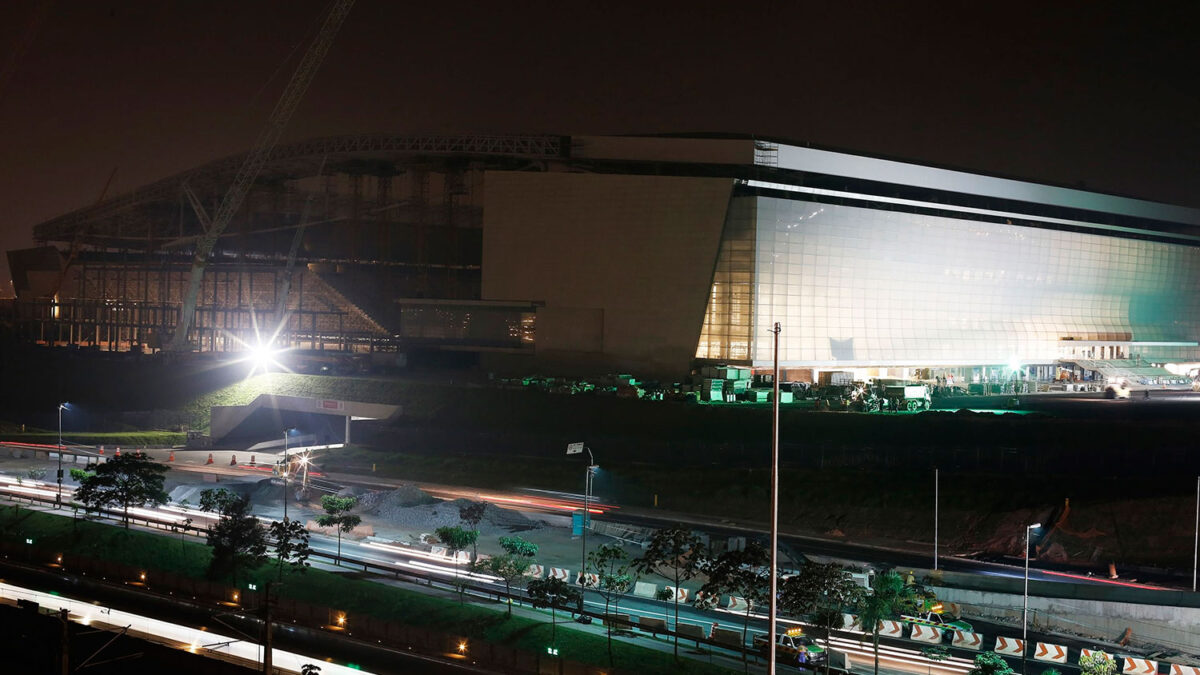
(210, 459)
(171, 457)
(233, 460)
(102, 449)
(252, 463)
(118, 451)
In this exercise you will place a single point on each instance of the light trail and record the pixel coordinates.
(194, 640)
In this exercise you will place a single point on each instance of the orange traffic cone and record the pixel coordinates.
(171, 457)
(233, 460)
(210, 459)
(118, 451)
(102, 449)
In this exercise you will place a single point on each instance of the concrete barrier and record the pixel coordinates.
(560, 573)
(889, 628)
(678, 594)
(1089, 652)
(535, 571)
(590, 580)
(922, 633)
(1177, 669)
(850, 622)
(737, 604)
(1010, 646)
(1048, 652)
(644, 589)
(1132, 666)
(967, 640)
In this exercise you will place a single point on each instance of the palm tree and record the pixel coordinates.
(889, 596)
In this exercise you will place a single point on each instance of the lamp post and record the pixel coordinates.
(1025, 598)
(936, 485)
(58, 497)
(589, 472)
(286, 470)
(1196, 548)
(774, 597)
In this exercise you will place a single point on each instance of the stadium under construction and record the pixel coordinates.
(648, 254)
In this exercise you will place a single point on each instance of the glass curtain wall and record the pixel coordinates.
(858, 286)
(728, 319)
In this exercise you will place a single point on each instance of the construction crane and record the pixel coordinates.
(255, 160)
(77, 242)
(285, 286)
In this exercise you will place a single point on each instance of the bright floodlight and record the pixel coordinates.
(1014, 364)
(1035, 526)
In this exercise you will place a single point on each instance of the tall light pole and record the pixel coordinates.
(771, 599)
(286, 470)
(589, 472)
(936, 485)
(1196, 548)
(58, 497)
(1025, 598)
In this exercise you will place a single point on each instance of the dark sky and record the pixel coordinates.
(1106, 96)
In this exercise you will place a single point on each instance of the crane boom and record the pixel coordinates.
(255, 160)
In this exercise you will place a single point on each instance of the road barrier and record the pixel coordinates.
(850, 622)
(967, 640)
(1010, 646)
(560, 573)
(888, 628)
(588, 579)
(1089, 652)
(678, 594)
(737, 604)
(1177, 669)
(1134, 666)
(535, 571)
(1052, 653)
(644, 589)
(922, 633)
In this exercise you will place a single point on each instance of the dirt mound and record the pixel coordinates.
(428, 516)
(388, 500)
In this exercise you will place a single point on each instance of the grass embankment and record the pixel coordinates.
(131, 439)
(345, 592)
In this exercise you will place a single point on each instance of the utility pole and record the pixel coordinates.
(771, 637)
(1196, 548)
(936, 485)
(65, 641)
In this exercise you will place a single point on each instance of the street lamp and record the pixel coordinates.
(1025, 598)
(588, 475)
(58, 497)
(286, 472)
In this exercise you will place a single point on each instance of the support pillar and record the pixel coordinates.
(347, 441)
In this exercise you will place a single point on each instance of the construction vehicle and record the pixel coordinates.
(793, 646)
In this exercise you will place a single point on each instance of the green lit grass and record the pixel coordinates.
(128, 438)
(353, 594)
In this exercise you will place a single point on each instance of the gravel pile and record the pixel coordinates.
(428, 514)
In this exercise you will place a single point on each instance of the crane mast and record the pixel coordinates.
(255, 160)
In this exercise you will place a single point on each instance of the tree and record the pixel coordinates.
(990, 663)
(675, 555)
(80, 475)
(237, 540)
(823, 591)
(471, 514)
(217, 500)
(519, 547)
(611, 565)
(456, 539)
(889, 596)
(291, 545)
(337, 516)
(510, 568)
(125, 481)
(744, 573)
(310, 669)
(553, 593)
(1097, 663)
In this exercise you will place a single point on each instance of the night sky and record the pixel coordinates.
(1083, 94)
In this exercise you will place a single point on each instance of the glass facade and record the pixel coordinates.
(855, 286)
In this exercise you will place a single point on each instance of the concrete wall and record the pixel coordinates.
(623, 263)
(1158, 624)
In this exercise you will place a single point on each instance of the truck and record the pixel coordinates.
(793, 646)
